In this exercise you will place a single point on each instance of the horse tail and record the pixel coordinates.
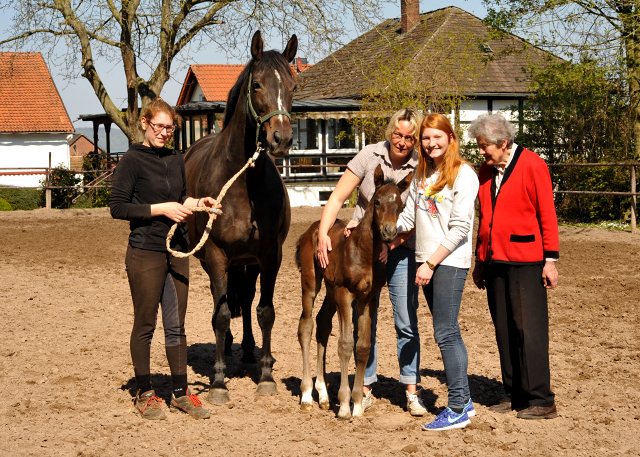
(235, 280)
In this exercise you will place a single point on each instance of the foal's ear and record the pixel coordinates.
(292, 47)
(256, 46)
(378, 177)
(405, 183)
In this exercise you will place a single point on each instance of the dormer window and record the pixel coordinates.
(484, 47)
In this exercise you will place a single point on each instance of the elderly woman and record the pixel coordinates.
(397, 157)
(516, 253)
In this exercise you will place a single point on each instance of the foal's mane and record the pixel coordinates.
(270, 59)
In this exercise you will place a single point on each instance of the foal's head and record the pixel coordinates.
(387, 204)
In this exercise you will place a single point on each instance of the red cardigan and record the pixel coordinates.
(519, 226)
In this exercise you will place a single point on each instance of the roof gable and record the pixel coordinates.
(29, 99)
(216, 80)
(447, 38)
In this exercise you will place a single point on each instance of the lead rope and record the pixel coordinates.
(212, 211)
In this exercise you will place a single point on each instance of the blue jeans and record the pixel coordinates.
(401, 275)
(444, 295)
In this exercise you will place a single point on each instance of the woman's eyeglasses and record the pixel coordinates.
(407, 138)
(157, 128)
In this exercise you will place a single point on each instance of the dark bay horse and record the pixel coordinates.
(354, 272)
(246, 240)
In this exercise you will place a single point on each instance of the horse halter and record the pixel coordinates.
(260, 120)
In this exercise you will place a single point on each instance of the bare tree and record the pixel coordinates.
(146, 37)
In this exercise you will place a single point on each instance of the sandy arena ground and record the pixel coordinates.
(66, 373)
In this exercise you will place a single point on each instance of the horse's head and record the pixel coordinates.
(387, 204)
(271, 94)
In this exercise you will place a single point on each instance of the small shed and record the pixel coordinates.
(79, 147)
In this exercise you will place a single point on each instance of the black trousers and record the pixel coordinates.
(518, 306)
(158, 278)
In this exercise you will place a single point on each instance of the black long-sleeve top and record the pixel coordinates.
(145, 176)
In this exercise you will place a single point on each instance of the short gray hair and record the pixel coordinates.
(494, 128)
(411, 115)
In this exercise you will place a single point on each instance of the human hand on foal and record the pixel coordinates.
(384, 253)
(350, 226)
(324, 247)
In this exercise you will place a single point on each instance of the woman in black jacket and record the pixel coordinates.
(149, 190)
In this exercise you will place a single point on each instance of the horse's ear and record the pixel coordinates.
(256, 46)
(405, 183)
(292, 47)
(378, 177)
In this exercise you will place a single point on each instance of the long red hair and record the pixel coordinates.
(452, 160)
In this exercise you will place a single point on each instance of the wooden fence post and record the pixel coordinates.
(48, 181)
(633, 199)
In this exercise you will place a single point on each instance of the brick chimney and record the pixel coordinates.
(409, 14)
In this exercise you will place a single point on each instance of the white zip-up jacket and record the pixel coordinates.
(445, 218)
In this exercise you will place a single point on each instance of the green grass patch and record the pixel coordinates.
(609, 225)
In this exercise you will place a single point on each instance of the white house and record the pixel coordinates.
(33, 120)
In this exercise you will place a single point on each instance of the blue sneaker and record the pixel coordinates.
(469, 409)
(448, 420)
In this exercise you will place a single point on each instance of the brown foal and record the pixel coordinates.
(354, 272)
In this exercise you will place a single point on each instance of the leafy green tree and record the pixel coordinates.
(60, 198)
(411, 79)
(98, 196)
(580, 113)
(608, 30)
(146, 37)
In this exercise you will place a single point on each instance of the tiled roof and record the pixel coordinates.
(217, 80)
(29, 99)
(448, 37)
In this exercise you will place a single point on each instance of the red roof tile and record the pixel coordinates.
(217, 80)
(29, 99)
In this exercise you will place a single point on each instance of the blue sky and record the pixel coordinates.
(79, 98)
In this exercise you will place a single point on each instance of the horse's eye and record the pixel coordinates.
(295, 88)
(377, 203)
(256, 86)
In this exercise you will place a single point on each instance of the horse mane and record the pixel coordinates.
(270, 59)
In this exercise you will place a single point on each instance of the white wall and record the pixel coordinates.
(197, 95)
(308, 194)
(31, 150)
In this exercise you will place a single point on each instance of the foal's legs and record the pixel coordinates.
(310, 287)
(345, 347)
(363, 346)
(324, 320)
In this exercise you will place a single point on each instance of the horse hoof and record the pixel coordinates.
(218, 396)
(306, 406)
(267, 388)
(344, 415)
(325, 405)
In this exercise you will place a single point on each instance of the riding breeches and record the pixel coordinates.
(158, 278)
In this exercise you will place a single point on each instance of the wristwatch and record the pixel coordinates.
(430, 265)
